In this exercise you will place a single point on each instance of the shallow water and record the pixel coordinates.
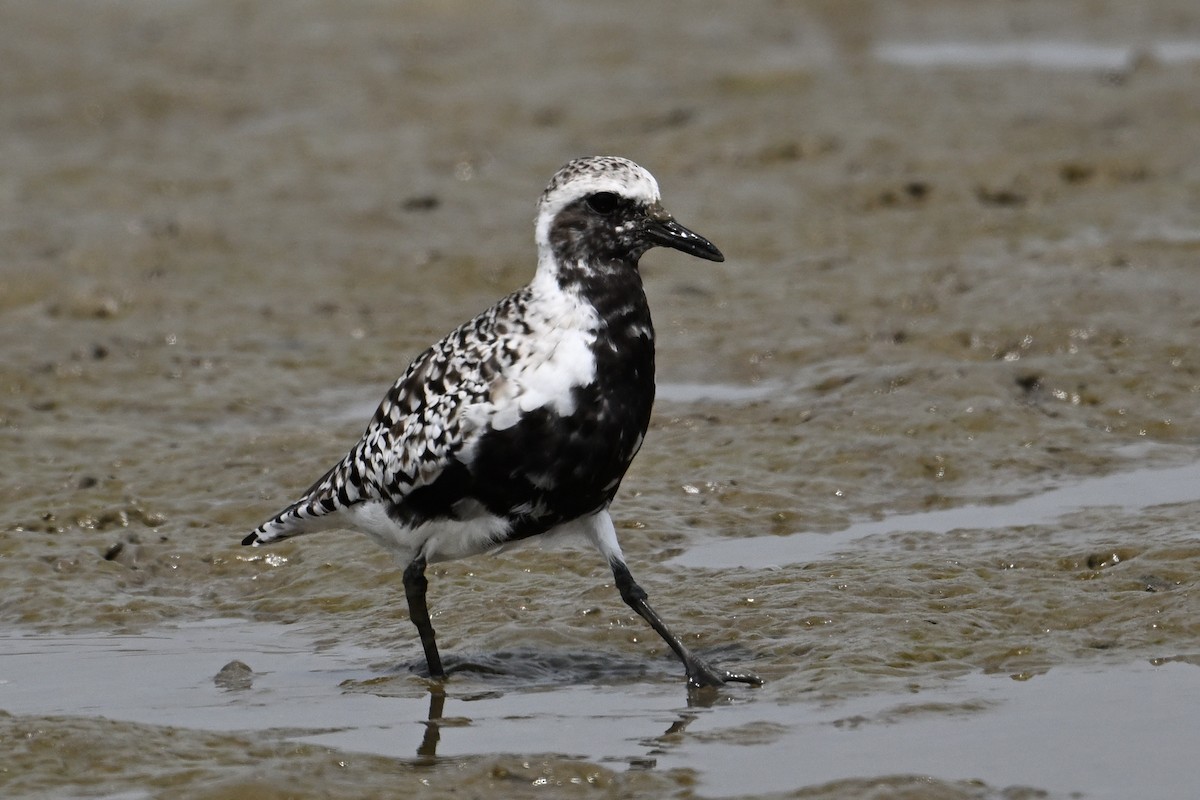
(1039, 54)
(1063, 731)
(924, 453)
(1123, 493)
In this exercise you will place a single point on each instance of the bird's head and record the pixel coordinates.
(606, 211)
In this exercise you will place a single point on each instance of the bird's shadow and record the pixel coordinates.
(533, 670)
(524, 670)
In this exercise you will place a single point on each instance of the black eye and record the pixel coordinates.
(603, 203)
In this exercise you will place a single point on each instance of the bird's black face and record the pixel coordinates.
(611, 227)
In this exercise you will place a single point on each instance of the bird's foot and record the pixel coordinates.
(701, 674)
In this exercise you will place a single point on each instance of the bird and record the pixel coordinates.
(523, 421)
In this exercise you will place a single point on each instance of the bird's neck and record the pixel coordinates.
(613, 288)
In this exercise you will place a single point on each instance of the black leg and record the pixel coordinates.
(415, 586)
(699, 672)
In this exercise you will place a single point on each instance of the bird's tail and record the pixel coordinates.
(315, 511)
(305, 516)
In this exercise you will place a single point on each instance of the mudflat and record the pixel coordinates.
(924, 454)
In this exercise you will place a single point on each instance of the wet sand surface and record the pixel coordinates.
(925, 454)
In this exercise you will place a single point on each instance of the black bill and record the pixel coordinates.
(667, 232)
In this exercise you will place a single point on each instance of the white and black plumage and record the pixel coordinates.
(524, 420)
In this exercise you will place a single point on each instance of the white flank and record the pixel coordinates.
(438, 540)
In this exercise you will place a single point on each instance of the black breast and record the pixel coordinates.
(548, 468)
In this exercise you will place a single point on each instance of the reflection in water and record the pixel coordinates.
(435, 721)
(671, 738)
(427, 750)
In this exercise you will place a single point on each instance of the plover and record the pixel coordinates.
(522, 421)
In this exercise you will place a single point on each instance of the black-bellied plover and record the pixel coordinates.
(523, 421)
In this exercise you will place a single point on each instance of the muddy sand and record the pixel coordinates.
(926, 453)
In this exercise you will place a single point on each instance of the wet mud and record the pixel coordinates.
(924, 456)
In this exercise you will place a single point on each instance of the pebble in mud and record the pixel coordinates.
(234, 676)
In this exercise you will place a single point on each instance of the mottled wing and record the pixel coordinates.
(434, 411)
